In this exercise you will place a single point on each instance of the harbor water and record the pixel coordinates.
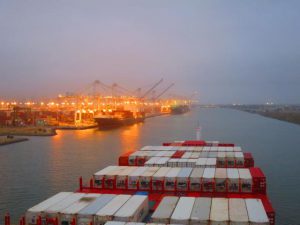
(34, 170)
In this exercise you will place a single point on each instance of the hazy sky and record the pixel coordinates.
(229, 51)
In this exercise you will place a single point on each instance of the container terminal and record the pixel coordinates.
(214, 183)
(98, 105)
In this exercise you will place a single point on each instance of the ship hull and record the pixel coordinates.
(180, 109)
(111, 123)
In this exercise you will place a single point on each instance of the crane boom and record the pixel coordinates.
(164, 91)
(154, 86)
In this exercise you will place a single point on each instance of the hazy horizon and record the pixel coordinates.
(228, 51)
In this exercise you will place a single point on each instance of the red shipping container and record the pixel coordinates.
(194, 143)
(166, 144)
(226, 145)
(123, 159)
(249, 162)
(259, 180)
(269, 209)
(178, 154)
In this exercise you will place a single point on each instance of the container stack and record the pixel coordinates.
(182, 182)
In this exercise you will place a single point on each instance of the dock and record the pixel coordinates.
(27, 131)
(6, 140)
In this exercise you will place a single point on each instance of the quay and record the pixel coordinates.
(27, 131)
(5, 140)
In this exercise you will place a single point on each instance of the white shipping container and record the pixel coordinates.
(163, 212)
(256, 212)
(186, 155)
(206, 149)
(233, 180)
(152, 161)
(204, 154)
(212, 155)
(145, 178)
(110, 177)
(239, 159)
(219, 211)
(183, 179)
(170, 179)
(201, 162)
(237, 149)
(201, 211)
(191, 163)
(108, 211)
(133, 178)
(86, 215)
(230, 159)
(196, 179)
(99, 176)
(122, 177)
(208, 179)
(211, 162)
(67, 214)
(158, 178)
(38, 210)
(172, 162)
(163, 161)
(182, 163)
(134, 210)
(221, 159)
(220, 179)
(238, 214)
(183, 210)
(245, 180)
(115, 223)
(134, 223)
(55, 209)
(195, 155)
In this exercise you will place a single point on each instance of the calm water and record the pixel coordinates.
(34, 170)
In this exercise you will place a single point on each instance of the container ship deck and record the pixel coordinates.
(182, 182)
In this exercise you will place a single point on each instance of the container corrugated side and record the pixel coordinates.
(219, 211)
(158, 178)
(67, 214)
(133, 178)
(238, 214)
(86, 215)
(233, 182)
(108, 211)
(256, 212)
(201, 211)
(115, 223)
(163, 212)
(55, 209)
(245, 180)
(134, 210)
(183, 210)
(221, 180)
(145, 178)
(99, 176)
(196, 179)
(170, 179)
(208, 180)
(122, 177)
(38, 210)
(183, 179)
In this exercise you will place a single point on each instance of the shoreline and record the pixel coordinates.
(27, 131)
(289, 116)
(11, 140)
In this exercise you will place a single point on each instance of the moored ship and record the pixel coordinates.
(117, 118)
(180, 109)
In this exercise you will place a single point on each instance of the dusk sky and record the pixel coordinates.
(227, 51)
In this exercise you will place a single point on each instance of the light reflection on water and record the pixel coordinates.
(34, 170)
